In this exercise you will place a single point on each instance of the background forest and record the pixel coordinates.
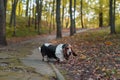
(31, 17)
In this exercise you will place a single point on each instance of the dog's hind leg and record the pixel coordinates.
(42, 53)
(43, 58)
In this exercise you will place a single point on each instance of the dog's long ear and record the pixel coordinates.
(73, 53)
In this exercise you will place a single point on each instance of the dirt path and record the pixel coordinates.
(35, 61)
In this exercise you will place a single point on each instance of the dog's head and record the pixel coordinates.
(68, 51)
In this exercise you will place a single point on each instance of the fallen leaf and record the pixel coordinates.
(108, 43)
(82, 56)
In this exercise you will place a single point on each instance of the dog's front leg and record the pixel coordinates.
(57, 61)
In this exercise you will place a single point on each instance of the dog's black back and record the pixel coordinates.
(49, 51)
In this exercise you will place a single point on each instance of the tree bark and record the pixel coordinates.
(100, 14)
(81, 14)
(29, 16)
(114, 7)
(58, 21)
(50, 27)
(74, 16)
(13, 16)
(5, 4)
(39, 16)
(53, 14)
(111, 15)
(100, 19)
(36, 14)
(3, 41)
(71, 20)
(27, 4)
(63, 15)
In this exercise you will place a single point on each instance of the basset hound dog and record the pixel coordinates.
(59, 52)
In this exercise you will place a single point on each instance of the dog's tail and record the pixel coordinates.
(39, 48)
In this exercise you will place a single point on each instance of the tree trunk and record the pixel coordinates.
(114, 7)
(74, 16)
(58, 22)
(111, 15)
(27, 4)
(2, 24)
(63, 15)
(100, 19)
(36, 14)
(39, 16)
(71, 20)
(100, 14)
(53, 14)
(50, 27)
(33, 14)
(11, 17)
(29, 16)
(5, 4)
(14, 16)
(81, 13)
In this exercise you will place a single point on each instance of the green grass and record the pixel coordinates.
(22, 29)
(118, 28)
(20, 32)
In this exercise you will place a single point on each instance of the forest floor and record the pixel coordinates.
(98, 57)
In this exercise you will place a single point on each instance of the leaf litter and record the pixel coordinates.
(98, 56)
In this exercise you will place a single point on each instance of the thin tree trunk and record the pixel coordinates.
(29, 19)
(36, 15)
(53, 14)
(71, 20)
(74, 16)
(5, 5)
(50, 28)
(81, 13)
(100, 15)
(27, 4)
(114, 7)
(33, 13)
(111, 15)
(63, 15)
(100, 19)
(11, 17)
(14, 16)
(58, 21)
(39, 17)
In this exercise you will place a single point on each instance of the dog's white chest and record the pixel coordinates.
(59, 52)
